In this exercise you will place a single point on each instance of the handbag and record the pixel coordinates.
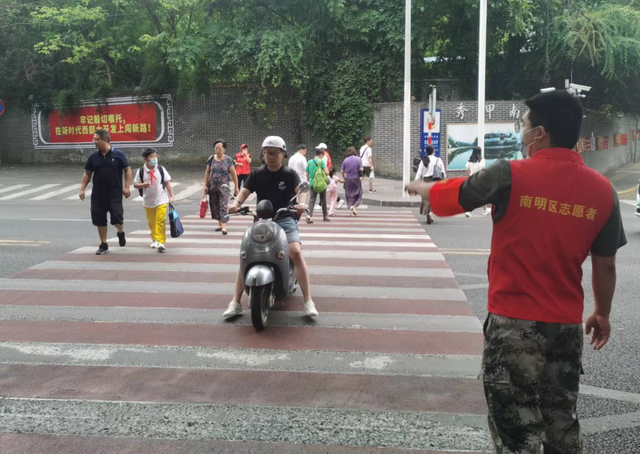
(204, 204)
(437, 172)
(174, 220)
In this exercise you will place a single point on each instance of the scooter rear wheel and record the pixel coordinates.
(260, 299)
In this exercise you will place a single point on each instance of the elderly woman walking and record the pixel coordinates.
(220, 170)
(351, 171)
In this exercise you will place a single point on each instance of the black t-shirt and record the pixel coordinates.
(107, 174)
(277, 187)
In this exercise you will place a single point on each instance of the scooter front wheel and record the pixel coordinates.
(260, 299)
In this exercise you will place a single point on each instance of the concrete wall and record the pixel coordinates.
(223, 114)
(388, 126)
(199, 120)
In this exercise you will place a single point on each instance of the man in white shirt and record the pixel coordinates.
(154, 182)
(298, 162)
(367, 162)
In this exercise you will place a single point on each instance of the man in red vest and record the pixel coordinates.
(549, 212)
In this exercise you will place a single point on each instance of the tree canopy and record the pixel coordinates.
(338, 56)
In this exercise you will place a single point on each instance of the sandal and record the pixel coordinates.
(309, 221)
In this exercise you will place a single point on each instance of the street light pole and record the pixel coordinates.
(482, 70)
(406, 155)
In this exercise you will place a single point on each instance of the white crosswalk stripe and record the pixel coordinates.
(193, 189)
(52, 194)
(29, 191)
(13, 188)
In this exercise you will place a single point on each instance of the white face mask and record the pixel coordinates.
(525, 147)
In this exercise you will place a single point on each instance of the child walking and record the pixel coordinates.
(154, 183)
(332, 189)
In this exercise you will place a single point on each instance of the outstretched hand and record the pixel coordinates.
(419, 188)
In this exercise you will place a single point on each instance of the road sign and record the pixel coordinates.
(429, 132)
(1, 107)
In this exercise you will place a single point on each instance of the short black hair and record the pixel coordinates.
(148, 152)
(103, 134)
(367, 138)
(430, 150)
(560, 113)
(319, 151)
(302, 147)
(224, 143)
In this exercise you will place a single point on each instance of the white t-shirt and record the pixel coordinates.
(365, 154)
(475, 167)
(299, 163)
(156, 195)
(426, 172)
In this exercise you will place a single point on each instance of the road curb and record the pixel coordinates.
(392, 203)
(627, 192)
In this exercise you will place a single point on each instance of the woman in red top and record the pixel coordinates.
(243, 164)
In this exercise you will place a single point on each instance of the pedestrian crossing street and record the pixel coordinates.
(128, 352)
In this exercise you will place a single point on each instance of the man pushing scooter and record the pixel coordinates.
(278, 184)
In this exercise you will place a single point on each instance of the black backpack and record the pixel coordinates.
(141, 175)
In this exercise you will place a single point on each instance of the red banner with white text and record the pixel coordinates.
(125, 123)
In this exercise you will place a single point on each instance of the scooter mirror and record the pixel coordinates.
(303, 187)
(226, 189)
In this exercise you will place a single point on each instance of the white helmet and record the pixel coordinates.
(275, 142)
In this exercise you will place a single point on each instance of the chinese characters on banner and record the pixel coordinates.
(125, 123)
(557, 207)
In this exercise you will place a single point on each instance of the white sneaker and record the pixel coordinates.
(340, 203)
(154, 245)
(467, 214)
(233, 310)
(486, 212)
(310, 309)
(161, 247)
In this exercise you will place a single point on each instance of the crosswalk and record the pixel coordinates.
(36, 192)
(128, 352)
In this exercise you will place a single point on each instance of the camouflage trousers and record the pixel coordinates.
(531, 373)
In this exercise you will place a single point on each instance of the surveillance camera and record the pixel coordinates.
(547, 90)
(579, 87)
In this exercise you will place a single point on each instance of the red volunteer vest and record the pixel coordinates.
(558, 206)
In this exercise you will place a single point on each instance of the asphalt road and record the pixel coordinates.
(617, 366)
(610, 406)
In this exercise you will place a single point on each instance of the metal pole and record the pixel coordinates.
(406, 154)
(482, 69)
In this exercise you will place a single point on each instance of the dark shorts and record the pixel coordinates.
(100, 208)
(242, 179)
(367, 172)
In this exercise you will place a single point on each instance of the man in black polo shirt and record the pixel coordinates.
(106, 165)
